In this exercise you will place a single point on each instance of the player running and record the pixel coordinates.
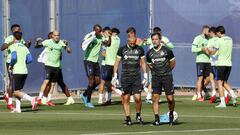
(20, 57)
(54, 47)
(60, 81)
(9, 41)
(92, 46)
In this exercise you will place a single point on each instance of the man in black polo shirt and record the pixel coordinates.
(161, 61)
(132, 57)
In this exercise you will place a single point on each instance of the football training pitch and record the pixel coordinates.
(198, 118)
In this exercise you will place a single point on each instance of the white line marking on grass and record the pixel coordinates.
(167, 131)
(117, 114)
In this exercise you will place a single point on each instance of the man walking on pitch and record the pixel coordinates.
(132, 57)
(161, 61)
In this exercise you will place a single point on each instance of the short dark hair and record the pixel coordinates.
(157, 29)
(212, 29)
(17, 35)
(14, 26)
(221, 29)
(97, 25)
(50, 35)
(157, 34)
(106, 28)
(205, 27)
(115, 30)
(131, 29)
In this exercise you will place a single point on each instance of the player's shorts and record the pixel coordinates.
(51, 73)
(131, 85)
(214, 71)
(223, 72)
(19, 81)
(91, 68)
(106, 72)
(163, 82)
(203, 69)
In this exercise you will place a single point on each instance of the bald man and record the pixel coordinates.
(54, 47)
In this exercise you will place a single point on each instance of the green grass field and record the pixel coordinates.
(194, 118)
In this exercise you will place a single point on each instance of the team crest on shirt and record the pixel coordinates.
(161, 53)
(125, 57)
(136, 52)
(153, 60)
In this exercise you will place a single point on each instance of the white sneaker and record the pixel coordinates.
(221, 106)
(100, 101)
(132, 99)
(70, 101)
(194, 97)
(16, 111)
(160, 100)
(44, 101)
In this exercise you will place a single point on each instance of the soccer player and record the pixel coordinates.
(9, 41)
(54, 47)
(224, 65)
(20, 57)
(213, 58)
(161, 61)
(92, 50)
(60, 80)
(165, 42)
(199, 48)
(110, 58)
(132, 33)
(106, 36)
(132, 57)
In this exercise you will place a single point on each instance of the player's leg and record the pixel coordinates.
(213, 86)
(137, 89)
(199, 88)
(169, 91)
(9, 93)
(19, 81)
(220, 79)
(53, 80)
(46, 81)
(197, 93)
(102, 85)
(90, 74)
(108, 95)
(45, 94)
(149, 92)
(156, 91)
(109, 76)
(138, 107)
(227, 86)
(64, 88)
(126, 108)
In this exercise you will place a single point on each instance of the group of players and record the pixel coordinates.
(211, 46)
(18, 56)
(160, 60)
(213, 51)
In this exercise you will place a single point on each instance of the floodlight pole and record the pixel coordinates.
(150, 15)
(6, 22)
(53, 15)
